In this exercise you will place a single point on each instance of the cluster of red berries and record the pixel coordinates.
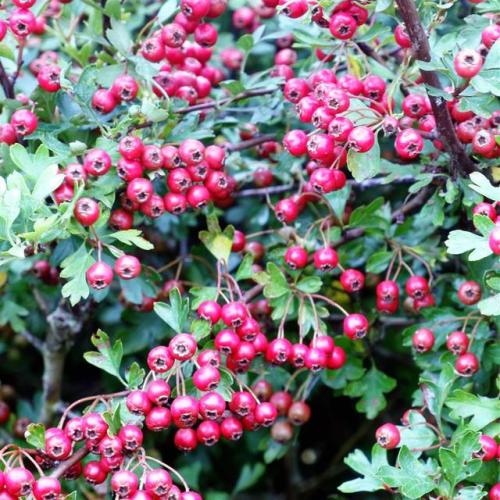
(185, 73)
(111, 448)
(416, 287)
(23, 122)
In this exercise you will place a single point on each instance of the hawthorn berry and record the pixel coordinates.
(99, 275)
(388, 436)
(467, 63)
(355, 326)
(86, 211)
(467, 364)
(469, 293)
(457, 342)
(423, 340)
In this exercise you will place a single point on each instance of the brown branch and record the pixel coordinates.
(231, 148)
(64, 324)
(7, 86)
(215, 104)
(67, 464)
(461, 164)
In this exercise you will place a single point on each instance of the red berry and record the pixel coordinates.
(104, 101)
(295, 89)
(208, 432)
(138, 402)
(293, 8)
(97, 162)
(296, 257)
(157, 482)
(325, 259)
(494, 240)
(295, 142)
(24, 122)
(86, 211)
(183, 346)
(48, 78)
(423, 340)
(401, 36)
(298, 354)
(265, 414)
(125, 88)
(374, 87)
(212, 406)
(457, 342)
(131, 436)
(343, 25)
(99, 275)
(352, 280)
(94, 472)
(337, 358)
(469, 293)
(483, 142)
(467, 63)
(486, 209)
(488, 449)
(234, 313)
(388, 436)
(127, 267)
(124, 483)
(18, 482)
(278, 351)
(361, 139)
(22, 22)
(467, 364)
(299, 413)
(417, 287)
(139, 190)
(184, 411)
(355, 326)
(206, 378)
(408, 144)
(231, 428)
(47, 488)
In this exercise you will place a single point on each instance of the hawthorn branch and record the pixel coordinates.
(64, 324)
(461, 164)
(231, 148)
(7, 86)
(238, 97)
(34, 341)
(72, 460)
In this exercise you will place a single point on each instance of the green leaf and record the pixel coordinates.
(459, 242)
(378, 262)
(482, 410)
(364, 215)
(135, 375)
(358, 461)
(119, 37)
(244, 270)
(200, 294)
(50, 179)
(113, 419)
(310, 284)
(364, 165)
(278, 284)
(490, 306)
(6, 51)
(411, 477)
(112, 8)
(174, 314)
(436, 391)
(482, 185)
(108, 357)
(249, 475)
(458, 462)
(35, 436)
(483, 224)
(200, 329)
(132, 237)
(371, 389)
(218, 242)
(416, 435)
(74, 268)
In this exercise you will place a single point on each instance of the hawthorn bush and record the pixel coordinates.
(222, 221)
